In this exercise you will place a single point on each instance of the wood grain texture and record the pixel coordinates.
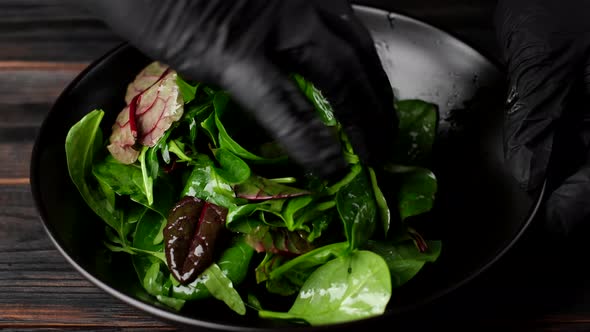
(44, 44)
(38, 287)
(39, 30)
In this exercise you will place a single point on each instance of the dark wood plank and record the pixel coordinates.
(51, 31)
(14, 167)
(35, 83)
(38, 287)
(29, 89)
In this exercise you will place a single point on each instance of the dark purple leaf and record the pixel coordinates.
(257, 188)
(194, 228)
(278, 241)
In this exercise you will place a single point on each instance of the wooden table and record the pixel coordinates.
(43, 46)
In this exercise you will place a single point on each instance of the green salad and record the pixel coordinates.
(206, 205)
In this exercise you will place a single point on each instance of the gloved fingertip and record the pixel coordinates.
(334, 172)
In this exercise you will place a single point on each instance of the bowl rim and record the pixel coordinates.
(175, 318)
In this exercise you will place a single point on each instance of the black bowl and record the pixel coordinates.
(479, 212)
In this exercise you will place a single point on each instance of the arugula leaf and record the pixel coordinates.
(148, 180)
(222, 289)
(187, 90)
(347, 288)
(322, 106)
(382, 206)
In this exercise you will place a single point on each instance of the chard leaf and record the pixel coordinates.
(404, 259)
(278, 240)
(259, 188)
(233, 262)
(152, 111)
(417, 131)
(145, 79)
(359, 287)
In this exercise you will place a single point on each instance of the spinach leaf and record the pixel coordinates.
(417, 131)
(129, 180)
(417, 190)
(233, 169)
(154, 281)
(233, 262)
(236, 212)
(121, 178)
(357, 208)
(211, 129)
(83, 142)
(148, 234)
(404, 259)
(293, 209)
(347, 288)
(309, 260)
(204, 183)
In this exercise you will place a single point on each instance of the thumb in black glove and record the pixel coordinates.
(249, 47)
(546, 47)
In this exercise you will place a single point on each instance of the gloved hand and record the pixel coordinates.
(248, 47)
(546, 46)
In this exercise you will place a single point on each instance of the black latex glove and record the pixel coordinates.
(546, 46)
(249, 47)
